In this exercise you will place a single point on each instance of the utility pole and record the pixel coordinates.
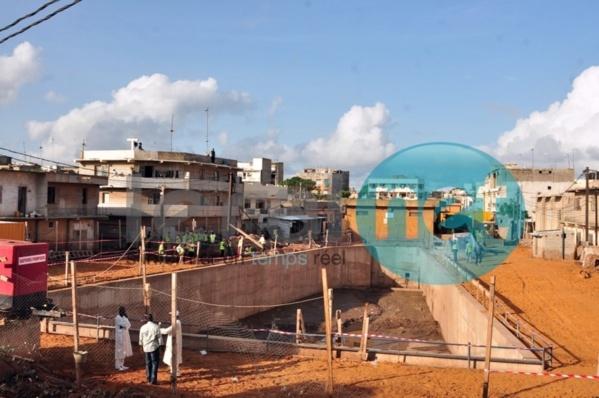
(586, 206)
(172, 121)
(489, 336)
(75, 323)
(174, 326)
(230, 204)
(532, 176)
(596, 226)
(162, 211)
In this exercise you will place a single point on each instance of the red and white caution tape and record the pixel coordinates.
(557, 375)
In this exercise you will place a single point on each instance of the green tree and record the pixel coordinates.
(298, 182)
(345, 194)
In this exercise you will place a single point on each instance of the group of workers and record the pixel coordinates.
(473, 248)
(191, 244)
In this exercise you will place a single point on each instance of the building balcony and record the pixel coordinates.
(253, 214)
(72, 212)
(135, 182)
(151, 210)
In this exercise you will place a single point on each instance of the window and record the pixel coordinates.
(154, 199)
(50, 224)
(51, 195)
(105, 197)
(84, 196)
(361, 212)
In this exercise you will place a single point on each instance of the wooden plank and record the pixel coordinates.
(261, 246)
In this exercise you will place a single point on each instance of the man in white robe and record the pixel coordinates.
(168, 353)
(122, 340)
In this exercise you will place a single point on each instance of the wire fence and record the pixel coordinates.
(206, 328)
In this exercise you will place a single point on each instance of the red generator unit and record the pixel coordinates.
(23, 276)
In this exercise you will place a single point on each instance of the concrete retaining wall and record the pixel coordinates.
(462, 319)
(242, 287)
(262, 347)
(250, 287)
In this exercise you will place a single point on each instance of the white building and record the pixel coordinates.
(168, 192)
(262, 171)
(329, 182)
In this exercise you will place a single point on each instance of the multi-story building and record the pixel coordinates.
(329, 182)
(168, 192)
(394, 187)
(567, 220)
(262, 171)
(391, 219)
(278, 172)
(532, 182)
(259, 199)
(59, 206)
(540, 181)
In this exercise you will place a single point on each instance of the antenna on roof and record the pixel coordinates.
(172, 121)
(207, 117)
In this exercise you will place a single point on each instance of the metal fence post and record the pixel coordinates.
(469, 353)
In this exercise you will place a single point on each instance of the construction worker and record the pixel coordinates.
(229, 248)
(222, 247)
(262, 242)
(469, 251)
(454, 249)
(240, 246)
(181, 253)
(191, 249)
(212, 237)
(161, 253)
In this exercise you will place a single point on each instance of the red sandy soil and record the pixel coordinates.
(551, 295)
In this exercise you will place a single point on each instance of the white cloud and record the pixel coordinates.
(358, 144)
(54, 97)
(20, 68)
(143, 109)
(566, 129)
(274, 107)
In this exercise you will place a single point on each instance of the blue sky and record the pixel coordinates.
(340, 84)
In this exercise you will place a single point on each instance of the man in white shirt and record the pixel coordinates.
(122, 340)
(168, 353)
(150, 340)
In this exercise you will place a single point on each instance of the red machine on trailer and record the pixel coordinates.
(23, 277)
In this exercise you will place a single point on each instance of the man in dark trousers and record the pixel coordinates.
(150, 340)
(478, 254)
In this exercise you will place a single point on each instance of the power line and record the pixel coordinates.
(28, 15)
(182, 182)
(35, 157)
(39, 21)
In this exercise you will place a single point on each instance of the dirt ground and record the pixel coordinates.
(392, 312)
(549, 294)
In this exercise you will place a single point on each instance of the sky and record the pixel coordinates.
(311, 83)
